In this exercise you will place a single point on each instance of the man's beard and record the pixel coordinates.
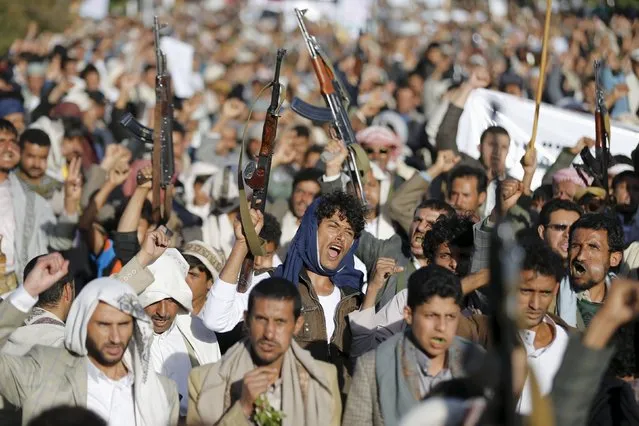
(94, 352)
(583, 287)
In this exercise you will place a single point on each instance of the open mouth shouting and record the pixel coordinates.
(578, 269)
(334, 251)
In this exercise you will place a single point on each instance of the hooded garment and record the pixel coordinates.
(170, 271)
(381, 227)
(304, 253)
(149, 397)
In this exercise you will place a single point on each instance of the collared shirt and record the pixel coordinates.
(426, 380)
(170, 358)
(110, 399)
(544, 362)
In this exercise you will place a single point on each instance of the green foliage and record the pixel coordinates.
(265, 414)
(51, 15)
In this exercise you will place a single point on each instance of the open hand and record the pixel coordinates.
(73, 185)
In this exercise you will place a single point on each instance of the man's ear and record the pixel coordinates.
(209, 284)
(540, 231)
(482, 198)
(408, 315)
(615, 258)
(298, 325)
(67, 292)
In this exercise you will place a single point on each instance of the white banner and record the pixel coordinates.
(558, 128)
(179, 58)
(94, 9)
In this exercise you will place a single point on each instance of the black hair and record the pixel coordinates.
(52, 295)
(493, 131)
(345, 204)
(302, 131)
(622, 159)
(557, 204)
(307, 174)
(178, 127)
(271, 231)
(433, 280)
(437, 205)
(464, 171)
(276, 288)
(195, 263)
(73, 127)
(544, 192)
(601, 221)
(7, 126)
(623, 177)
(313, 149)
(96, 96)
(68, 416)
(87, 70)
(624, 362)
(36, 137)
(541, 259)
(456, 231)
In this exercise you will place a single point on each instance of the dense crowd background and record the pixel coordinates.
(71, 183)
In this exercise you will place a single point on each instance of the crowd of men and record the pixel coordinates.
(376, 313)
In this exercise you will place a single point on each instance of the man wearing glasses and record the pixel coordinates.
(555, 220)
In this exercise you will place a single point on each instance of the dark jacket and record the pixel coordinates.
(614, 404)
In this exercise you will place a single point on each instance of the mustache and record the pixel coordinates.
(161, 318)
(270, 342)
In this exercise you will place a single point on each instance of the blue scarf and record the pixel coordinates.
(303, 253)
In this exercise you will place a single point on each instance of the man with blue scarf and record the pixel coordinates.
(320, 261)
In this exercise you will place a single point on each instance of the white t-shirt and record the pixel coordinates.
(329, 304)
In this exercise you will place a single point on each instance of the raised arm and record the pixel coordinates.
(20, 374)
(410, 193)
(131, 216)
(135, 272)
(225, 307)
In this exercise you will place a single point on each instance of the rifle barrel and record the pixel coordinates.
(307, 37)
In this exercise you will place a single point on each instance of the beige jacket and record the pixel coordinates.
(47, 377)
(208, 391)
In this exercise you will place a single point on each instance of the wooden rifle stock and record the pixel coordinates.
(257, 176)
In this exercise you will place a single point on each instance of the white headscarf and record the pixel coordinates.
(169, 273)
(149, 398)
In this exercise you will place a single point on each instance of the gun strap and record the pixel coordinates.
(361, 160)
(255, 243)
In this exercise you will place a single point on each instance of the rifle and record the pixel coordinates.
(256, 175)
(597, 166)
(336, 113)
(161, 135)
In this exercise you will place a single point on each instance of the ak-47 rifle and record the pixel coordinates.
(337, 101)
(597, 166)
(256, 175)
(161, 136)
